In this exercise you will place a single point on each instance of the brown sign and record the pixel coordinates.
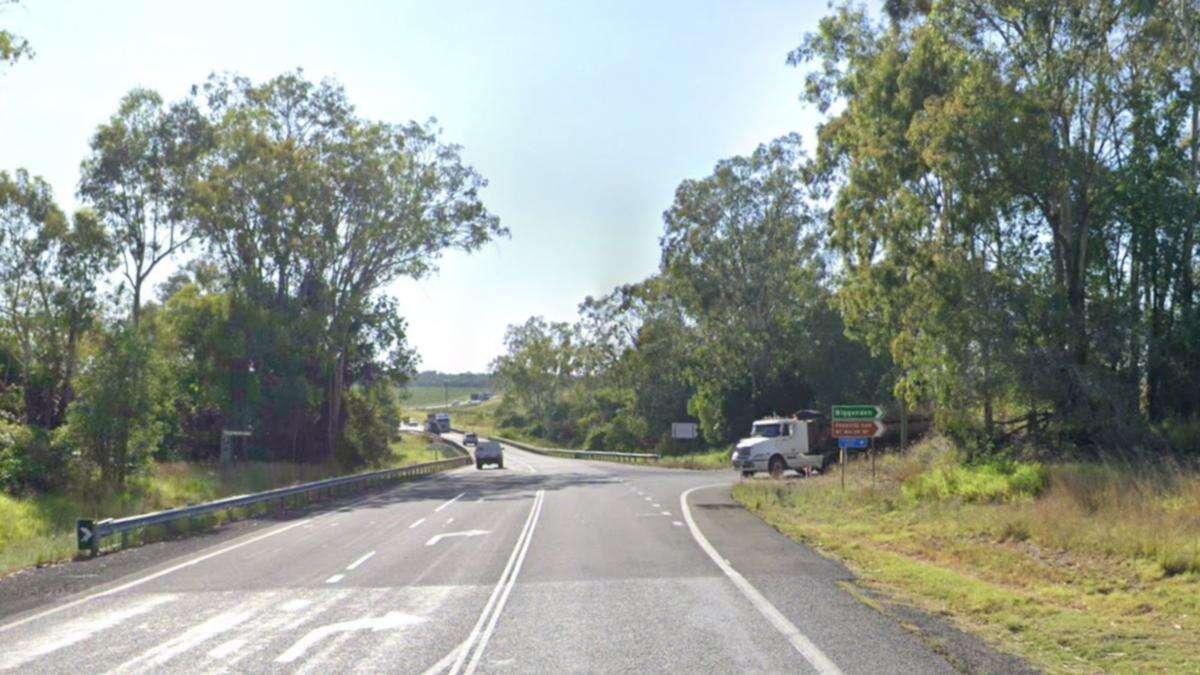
(857, 428)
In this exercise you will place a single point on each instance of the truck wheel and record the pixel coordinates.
(479, 466)
(499, 465)
(776, 467)
(747, 474)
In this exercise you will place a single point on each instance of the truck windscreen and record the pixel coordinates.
(766, 430)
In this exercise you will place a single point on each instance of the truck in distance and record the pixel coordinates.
(437, 423)
(777, 444)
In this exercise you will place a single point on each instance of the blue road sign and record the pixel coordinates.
(856, 443)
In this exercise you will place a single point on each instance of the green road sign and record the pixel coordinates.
(857, 412)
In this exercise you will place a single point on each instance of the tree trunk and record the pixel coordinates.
(136, 311)
(337, 378)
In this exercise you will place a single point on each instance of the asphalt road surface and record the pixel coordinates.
(549, 565)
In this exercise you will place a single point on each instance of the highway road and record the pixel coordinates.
(549, 565)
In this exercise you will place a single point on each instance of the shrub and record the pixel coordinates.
(371, 416)
(992, 480)
(115, 420)
(32, 459)
(1183, 435)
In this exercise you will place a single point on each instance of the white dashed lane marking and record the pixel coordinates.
(448, 503)
(360, 561)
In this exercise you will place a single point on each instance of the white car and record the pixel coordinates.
(489, 452)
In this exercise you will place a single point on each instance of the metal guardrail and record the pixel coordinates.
(584, 454)
(89, 532)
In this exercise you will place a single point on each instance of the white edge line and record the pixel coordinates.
(512, 579)
(807, 649)
(183, 565)
(150, 577)
(487, 608)
(449, 502)
(335, 578)
(360, 561)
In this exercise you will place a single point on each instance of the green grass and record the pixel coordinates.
(39, 530)
(422, 396)
(709, 460)
(478, 418)
(1095, 570)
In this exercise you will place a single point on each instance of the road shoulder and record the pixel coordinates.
(858, 628)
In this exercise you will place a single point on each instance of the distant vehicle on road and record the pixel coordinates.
(777, 444)
(470, 439)
(489, 452)
(437, 423)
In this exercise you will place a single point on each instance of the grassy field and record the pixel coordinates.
(478, 418)
(41, 530)
(1076, 568)
(421, 396)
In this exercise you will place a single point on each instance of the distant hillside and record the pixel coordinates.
(434, 378)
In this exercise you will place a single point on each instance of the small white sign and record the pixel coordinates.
(684, 430)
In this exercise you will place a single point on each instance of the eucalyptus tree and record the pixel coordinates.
(741, 255)
(137, 180)
(982, 185)
(540, 362)
(49, 268)
(13, 47)
(313, 211)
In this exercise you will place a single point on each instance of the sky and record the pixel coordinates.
(583, 117)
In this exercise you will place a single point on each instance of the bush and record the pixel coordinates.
(993, 480)
(1183, 435)
(115, 421)
(371, 417)
(32, 459)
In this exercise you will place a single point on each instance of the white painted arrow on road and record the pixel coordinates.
(465, 533)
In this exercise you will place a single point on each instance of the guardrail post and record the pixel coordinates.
(85, 535)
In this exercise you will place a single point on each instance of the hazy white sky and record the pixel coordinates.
(584, 116)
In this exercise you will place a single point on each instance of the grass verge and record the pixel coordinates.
(40, 530)
(708, 460)
(1097, 569)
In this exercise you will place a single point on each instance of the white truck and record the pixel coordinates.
(777, 444)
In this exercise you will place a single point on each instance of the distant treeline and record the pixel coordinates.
(434, 378)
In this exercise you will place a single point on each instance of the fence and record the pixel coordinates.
(89, 532)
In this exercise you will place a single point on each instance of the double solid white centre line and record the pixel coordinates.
(449, 502)
(486, 624)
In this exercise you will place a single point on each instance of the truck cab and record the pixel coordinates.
(776, 444)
